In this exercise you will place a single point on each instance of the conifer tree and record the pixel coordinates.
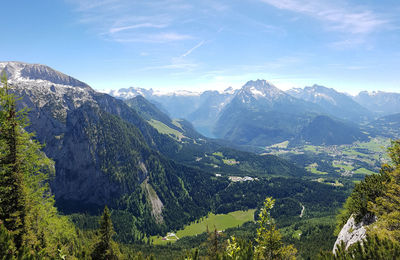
(12, 186)
(105, 247)
(27, 209)
(387, 206)
(269, 239)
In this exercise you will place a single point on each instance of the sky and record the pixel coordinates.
(349, 45)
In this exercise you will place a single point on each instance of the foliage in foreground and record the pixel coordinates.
(372, 247)
(268, 243)
(30, 226)
(377, 196)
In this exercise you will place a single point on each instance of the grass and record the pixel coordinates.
(219, 221)
(313, 168)
(375, 144)
(364, 171)
(355, 153)
(281, 145)
(176, 123)
(343, 166)
(164, 129)
(219, 154)
(338, 184)
(230, 161)
(310, 148)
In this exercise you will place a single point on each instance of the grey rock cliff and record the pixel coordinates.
(353, 232)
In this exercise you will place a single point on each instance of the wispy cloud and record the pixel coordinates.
(192, 49)
(175, 64)
(337, 18)
(87, 5)
(118, 20)
(153, 37)
(136, 26)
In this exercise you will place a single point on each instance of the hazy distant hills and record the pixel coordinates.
(260, 114)
(201, 109)
(333, 103)
(388, 126)
(323, 130)
(382, 103)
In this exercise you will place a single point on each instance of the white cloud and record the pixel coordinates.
(336, 18)
(136, 26)
(128, 21)
(153, 37)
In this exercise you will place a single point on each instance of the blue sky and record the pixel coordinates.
(209, 44)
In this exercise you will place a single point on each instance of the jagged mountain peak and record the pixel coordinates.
(27, 72)
(332, 102)
(316, 93)
(260, 89)
(380, 102)
(320, 88)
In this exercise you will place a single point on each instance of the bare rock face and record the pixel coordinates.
(353, 232)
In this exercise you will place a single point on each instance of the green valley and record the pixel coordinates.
(209, 222)
(350, 161)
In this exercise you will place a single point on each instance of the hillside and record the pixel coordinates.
(323, 130)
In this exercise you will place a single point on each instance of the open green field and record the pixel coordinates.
(281, 145)
(164, 129)
(219, 221)
(342, 166)
(364, 171)
(313, 168)
(375, 144)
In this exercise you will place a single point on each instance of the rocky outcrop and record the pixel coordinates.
(353, 232)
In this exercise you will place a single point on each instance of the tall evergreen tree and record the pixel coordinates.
(105, 248)
(12, 186)
(27, 210)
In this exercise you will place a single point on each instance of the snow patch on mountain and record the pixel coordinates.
(47, 85)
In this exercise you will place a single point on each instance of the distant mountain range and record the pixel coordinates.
(260, 114)
(379, 102)
(333, 103)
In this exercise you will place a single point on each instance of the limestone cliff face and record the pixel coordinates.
(353, 232)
